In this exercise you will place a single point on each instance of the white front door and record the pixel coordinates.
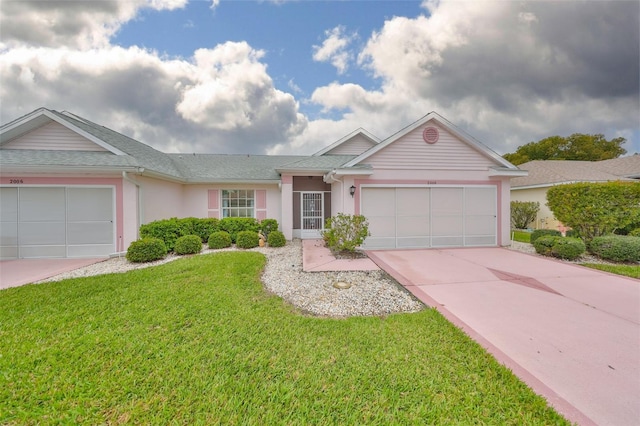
(312, 214)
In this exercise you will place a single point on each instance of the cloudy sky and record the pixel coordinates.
(290, 77)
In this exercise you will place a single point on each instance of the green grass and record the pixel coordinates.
(198, 341)
(521, 236)
(632, 271)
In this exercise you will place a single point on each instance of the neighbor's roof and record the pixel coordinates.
(552, 172)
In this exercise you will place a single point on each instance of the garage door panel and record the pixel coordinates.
(487, 240)
(93, 250)
(8, 234)
(480, 225)
(89, 204)
(480, 201)
(408, 226)
(413, 242)
(446, 201)
(42, 204)
(412, 201)
(41, 233)
(8, 204)
(372, 243)
(379, 201)
(446, 225)
(90, 233)
(43, 251)
(447, 241)
(382, 226)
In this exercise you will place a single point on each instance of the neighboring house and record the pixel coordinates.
(73, 188)
(543, 174)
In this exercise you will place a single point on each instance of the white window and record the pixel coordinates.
(237, 203)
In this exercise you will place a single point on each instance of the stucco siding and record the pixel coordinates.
(411, 152)
(53, 136)
(544, 218)
(160, 199)
(355, 146)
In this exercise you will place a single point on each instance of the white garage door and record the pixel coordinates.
(418, 217)
(56, 222)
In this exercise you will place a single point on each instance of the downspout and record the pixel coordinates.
(330, 176)
(126, 177)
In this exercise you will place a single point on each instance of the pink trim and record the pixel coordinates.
(66, 181)
(261, 199)
(261, 214)
(287, 179)
(214, 199)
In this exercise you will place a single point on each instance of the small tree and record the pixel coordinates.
(523, 213)
(595, 209)
(345, 232)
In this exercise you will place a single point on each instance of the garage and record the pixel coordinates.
(430, 216)
(56, 221)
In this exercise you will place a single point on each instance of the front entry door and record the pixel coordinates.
(312, 214)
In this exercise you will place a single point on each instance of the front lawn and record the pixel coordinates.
(198, 341)
(521, 236)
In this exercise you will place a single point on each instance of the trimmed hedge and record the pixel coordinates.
(146, 250)
(568, 248)
(168, 230)
(268, 226)
(544, 244)
(276, 239)
(635, 232)
(618, 248)
(188, 244)
(235, 225)
(247, 239)
(542, 232)
(219, 240)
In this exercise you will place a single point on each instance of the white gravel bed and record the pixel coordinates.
(372, 293)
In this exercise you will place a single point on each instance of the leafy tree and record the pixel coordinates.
(595, 209)
(578, 146)
(523, 213)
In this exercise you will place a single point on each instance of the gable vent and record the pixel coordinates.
(430, 135)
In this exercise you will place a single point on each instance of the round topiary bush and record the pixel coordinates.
(544, 232)
(219, 240)
(544, 244)
(146, 250)
(247, 239)
(568, 248)
(619, 248)
(276, 239)
(189, 244)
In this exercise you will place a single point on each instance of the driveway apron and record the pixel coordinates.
(571, 333)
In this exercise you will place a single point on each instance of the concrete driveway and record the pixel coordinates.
(571, 333)
(14, 273)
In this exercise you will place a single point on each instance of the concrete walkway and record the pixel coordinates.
(571, 333)
(14, 273)
(316, 257)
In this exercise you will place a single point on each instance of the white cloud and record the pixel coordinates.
(334, 49)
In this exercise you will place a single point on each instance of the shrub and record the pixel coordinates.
(219, 239)
(345, 232)
(635, 232)
(205, 227)
(247, 239)
(146, 250)
(188, 244)
(544, 244)
(168, 230)
(544, 232)
(595, 209)
(573, 233)
(617, 248)
(568, 248)
(234, 225)
(267, 226)
(276, 239)
(523, 213)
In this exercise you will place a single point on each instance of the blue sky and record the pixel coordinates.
(291, 77)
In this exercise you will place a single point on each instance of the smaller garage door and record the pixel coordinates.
(56, 222)
(418, 217)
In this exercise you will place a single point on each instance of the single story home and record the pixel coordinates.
(73, 188)
(543, 174)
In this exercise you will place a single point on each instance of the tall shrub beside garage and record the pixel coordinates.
(345, 232)
(595, 209)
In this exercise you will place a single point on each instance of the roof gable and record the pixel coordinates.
(355, 143)
(453, 150)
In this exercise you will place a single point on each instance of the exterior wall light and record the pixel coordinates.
(352, 190)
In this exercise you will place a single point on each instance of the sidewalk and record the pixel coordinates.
(318, 258)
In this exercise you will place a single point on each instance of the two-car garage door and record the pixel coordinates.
(56, 222)
(418, 217)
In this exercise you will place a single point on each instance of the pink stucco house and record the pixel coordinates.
(72, 188)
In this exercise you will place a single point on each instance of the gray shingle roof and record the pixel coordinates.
(184, 167)
(549, 172)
